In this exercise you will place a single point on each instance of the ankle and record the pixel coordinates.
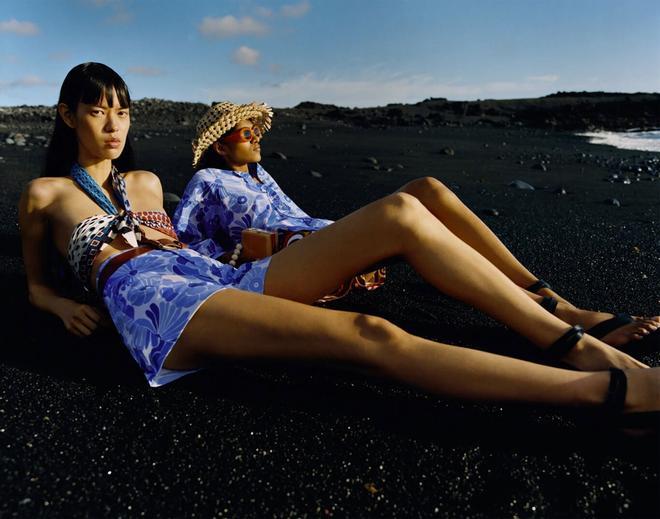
(568, 313)
(552, 293)
(594, 390)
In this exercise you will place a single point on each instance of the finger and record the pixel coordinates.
(83, 331)
(86, 322)
(92, 313)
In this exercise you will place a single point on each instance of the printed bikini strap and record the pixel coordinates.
(93, 190)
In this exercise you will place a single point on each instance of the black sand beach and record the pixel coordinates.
(82, 435)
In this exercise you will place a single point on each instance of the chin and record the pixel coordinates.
(114, 154)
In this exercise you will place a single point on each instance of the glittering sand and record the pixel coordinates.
(81, 434)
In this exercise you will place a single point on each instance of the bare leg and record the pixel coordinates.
(236, 324)
(458, 218)
(466, 225)
(400, 225)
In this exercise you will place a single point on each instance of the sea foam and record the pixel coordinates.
(630, 140)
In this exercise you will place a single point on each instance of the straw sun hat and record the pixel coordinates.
(222, 117)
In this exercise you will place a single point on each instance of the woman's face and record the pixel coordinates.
(239, 154)
(101, 129)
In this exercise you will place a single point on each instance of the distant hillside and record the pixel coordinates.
(562, 111)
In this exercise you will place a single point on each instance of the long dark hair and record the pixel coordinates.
(85, 83)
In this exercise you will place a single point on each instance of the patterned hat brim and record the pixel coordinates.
(222, 117)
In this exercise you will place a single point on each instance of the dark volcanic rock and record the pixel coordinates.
(520, 184)
(561, 111)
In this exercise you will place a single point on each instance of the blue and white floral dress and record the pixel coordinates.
(151, 297)
(218, 204)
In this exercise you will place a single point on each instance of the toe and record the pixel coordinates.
(649, 325)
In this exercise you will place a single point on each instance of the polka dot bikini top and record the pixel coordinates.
(92, 234)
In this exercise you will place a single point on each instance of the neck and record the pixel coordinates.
(98, 170)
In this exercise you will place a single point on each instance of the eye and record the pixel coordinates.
(122, 113)
(97, 111)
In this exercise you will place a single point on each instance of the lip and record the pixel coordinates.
(113, 143)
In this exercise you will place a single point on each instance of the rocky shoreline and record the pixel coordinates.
(569, 111)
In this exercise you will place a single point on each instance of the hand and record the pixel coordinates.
(80, 319)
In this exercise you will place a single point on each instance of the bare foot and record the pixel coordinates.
(590, 354)
(634, 331)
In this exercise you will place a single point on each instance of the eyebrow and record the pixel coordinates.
(108, 107)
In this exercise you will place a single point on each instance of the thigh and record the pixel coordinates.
(237, 324)
(316, 265)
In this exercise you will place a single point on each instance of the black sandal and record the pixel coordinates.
(609, 325)
(614, 403)
(538, 285)
(565, 343)
(549, 303)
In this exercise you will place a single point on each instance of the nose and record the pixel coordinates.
(111, 122)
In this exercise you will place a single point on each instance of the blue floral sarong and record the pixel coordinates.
(152, 297)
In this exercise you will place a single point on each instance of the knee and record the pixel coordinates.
(382, 339)
(427, 188)
(402, 210)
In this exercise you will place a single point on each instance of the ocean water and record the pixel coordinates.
(630, 140)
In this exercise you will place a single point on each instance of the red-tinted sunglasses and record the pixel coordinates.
(242, 135)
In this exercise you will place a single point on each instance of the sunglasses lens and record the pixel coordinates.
(246, 134)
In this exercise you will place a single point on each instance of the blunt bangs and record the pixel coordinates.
(89, 83)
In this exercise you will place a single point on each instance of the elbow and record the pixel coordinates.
(36, 296)
(33, 297)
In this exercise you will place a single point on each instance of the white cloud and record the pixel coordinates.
(548, 78)
(264, 12)
(374, 90)
(25, 81)
(21, 28)
(227, 26)
(121, 15)
(145, 71)
(245, 56)
(295, 10)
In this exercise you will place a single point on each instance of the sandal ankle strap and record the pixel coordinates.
(566, 342)
(538, 285)
(549, 303)
(616, 391)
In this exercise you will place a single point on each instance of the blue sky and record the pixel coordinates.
(346, 52)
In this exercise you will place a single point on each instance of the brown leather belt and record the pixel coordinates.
(117, 261)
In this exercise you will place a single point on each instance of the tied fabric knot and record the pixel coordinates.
(125, 223)
(93, 233)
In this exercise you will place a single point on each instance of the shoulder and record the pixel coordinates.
(42, 192)
(141, 179)
(210, 180)
(210, 176)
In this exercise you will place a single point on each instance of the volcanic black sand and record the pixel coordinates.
(81, 433)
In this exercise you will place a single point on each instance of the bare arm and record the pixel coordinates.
(78, 318)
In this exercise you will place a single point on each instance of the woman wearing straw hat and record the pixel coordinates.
(176, 309)
(231, 192)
